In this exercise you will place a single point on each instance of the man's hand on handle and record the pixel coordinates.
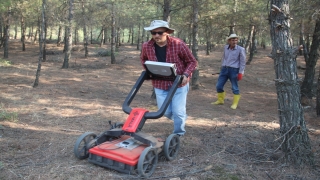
(185, 80)
(240, 76)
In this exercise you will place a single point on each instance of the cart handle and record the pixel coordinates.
(150, 115)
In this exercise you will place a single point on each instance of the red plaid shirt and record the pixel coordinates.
(177, 53)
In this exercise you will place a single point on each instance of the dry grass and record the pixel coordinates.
(220, 143)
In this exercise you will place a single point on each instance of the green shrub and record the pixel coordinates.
(8, 116)
(4, 62)
(104, 53)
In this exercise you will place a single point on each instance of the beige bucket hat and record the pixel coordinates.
(157, 24)
(232, 36)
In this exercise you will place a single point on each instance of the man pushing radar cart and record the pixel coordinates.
(124, 147)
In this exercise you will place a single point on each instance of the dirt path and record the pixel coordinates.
(231, 144)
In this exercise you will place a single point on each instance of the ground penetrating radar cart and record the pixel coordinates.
(124, 147)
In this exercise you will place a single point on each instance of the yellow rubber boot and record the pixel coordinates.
(220, 100)
(236, 99)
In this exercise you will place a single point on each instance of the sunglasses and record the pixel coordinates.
(154, 33)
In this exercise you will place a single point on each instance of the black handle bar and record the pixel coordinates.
(150, 115)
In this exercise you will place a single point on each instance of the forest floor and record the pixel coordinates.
(220, 143)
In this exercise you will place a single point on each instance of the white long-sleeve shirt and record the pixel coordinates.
(235, 58)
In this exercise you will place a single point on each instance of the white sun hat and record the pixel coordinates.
(232, 36)
(157, 24)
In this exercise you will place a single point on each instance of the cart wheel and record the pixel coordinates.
(82, 145)
(171, 147)
(147, 162)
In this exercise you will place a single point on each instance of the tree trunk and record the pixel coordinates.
(122, 37)
(308, 43)
(138, 40)
(166, 10)
(65, 39)
(85, 34)
(208, 36)
(129, 35)
(23, 34)
(233, 21)
(190, 36)
(305, 50)
(30, 33)
(68, 42)
(41, 40)
(85, 41)
(113, 29)
(249, 40)
(51, 31)
(15, 31)
(1, 35)
(295, 143)
(318, 96)
(91, 35)
(59, 36)
(148, 36)
(132, 35)
(208, 49)
(301, 38)
(6, 35)
(38, 30)
(195, 74)
(105, 35)
(118, 38)
(75, 35)
(102, 37)
(45, 30)
(253, 46)
(231, 29)
(143, 36)
(311, 61)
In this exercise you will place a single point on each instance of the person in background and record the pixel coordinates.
(165, 48)
(233, 65)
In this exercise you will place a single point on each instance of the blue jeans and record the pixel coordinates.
(231, 74)
(176, 110)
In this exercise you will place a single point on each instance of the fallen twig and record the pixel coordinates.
(284, 138)
(269, 175)
(71, 130)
